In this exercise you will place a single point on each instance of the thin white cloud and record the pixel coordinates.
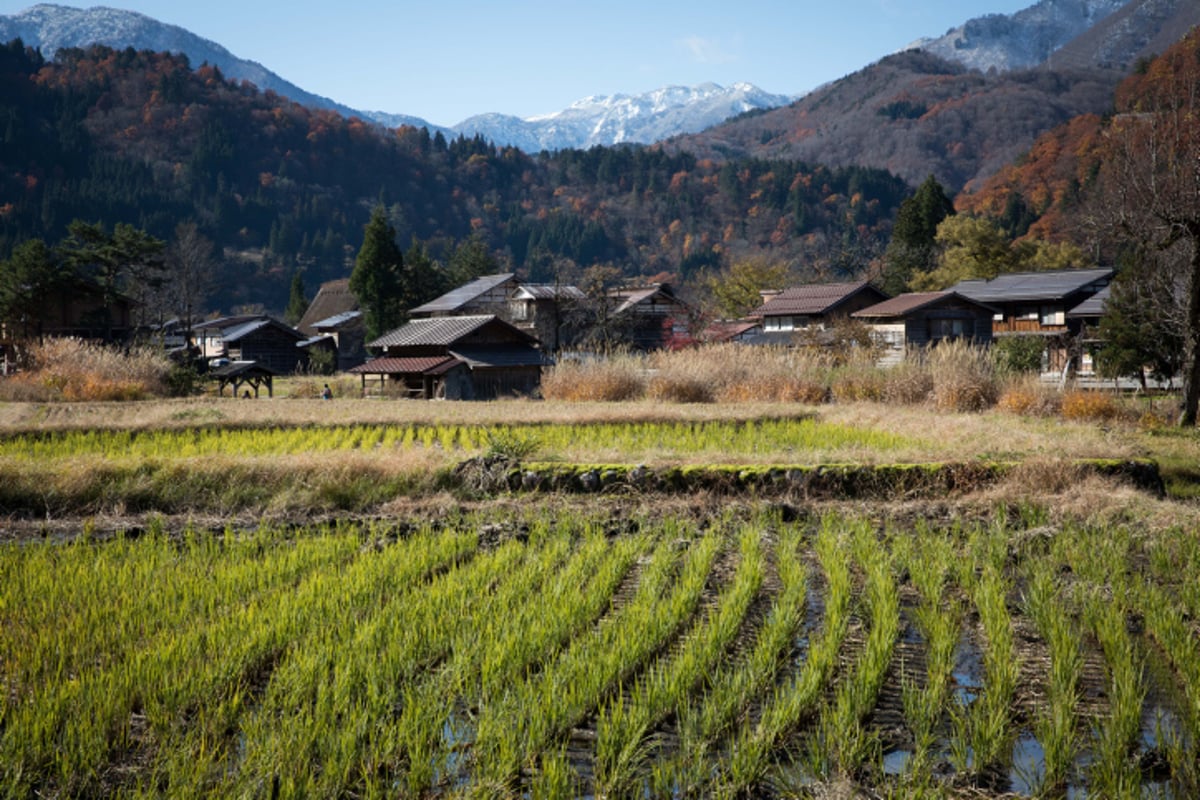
(706, 51)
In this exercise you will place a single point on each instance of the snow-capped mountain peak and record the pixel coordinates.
(1021, 40)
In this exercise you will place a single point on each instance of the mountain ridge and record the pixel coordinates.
(596, 120)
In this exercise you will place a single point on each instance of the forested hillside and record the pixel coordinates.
(914, 114)
(142, 138)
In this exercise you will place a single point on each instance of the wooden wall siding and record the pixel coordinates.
(1023, 326)
(270, 347)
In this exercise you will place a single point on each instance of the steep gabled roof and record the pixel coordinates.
(1031, 286)
(444, 331)
(455, 299)
(333, 298)
(813, 299)
(230, 335)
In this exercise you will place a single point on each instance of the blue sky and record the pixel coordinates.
(444, 60)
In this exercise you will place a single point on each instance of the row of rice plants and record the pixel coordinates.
(983, 727)
(517, 726)
(842, 744)
(1169, 606)
(930, 556)
(781, 435)
(1055, 724)
(65, 733)
(327, 704)
(796, 699)
(508, 639)
(625, 723)
(56, 619)
(734, 685)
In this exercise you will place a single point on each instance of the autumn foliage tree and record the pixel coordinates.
(1149, 188)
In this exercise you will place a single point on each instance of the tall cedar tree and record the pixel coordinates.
(913, 247)
(297, 300)
(378, 277)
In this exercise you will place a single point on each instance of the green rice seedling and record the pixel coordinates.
(842, 743)
(797, 699)
(520, 725)
(983, 730)
(1055, 726)
(929, 557)
(1115, 771)
(732, 686)
(623, 725)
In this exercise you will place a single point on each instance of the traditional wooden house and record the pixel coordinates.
(925, 319)
(209, 336)
(269, 342)
(547, 312)
(650, 317)
(476, 357)
(344, 335)
(78, 308)
(334, 322)
(801, 308)
(333, 299)
(488, 294)
(1036, 304)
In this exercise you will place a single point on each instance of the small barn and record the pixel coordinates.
(268, 341)
(925, 319)
(477, 357)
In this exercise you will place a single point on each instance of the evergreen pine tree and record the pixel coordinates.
(377, 277)
(913, 247)
(297, 301)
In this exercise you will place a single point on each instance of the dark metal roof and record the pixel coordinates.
(236, 368)
(455, 299)
(812, 299)
(400, 366)
(1031, 286)
(438, 331)
(242, 331)
(443, 331)
(226, 323)
(337, 320)
(1093, 306)
(903, 304)
(517, 355)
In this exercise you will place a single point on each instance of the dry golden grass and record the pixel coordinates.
(1028, 395)
(72, 370)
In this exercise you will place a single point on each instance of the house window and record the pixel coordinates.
(778, 324)
(949, 328)
(519, 309)
(1053, 315)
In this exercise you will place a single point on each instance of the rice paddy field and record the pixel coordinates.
(296, 600)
